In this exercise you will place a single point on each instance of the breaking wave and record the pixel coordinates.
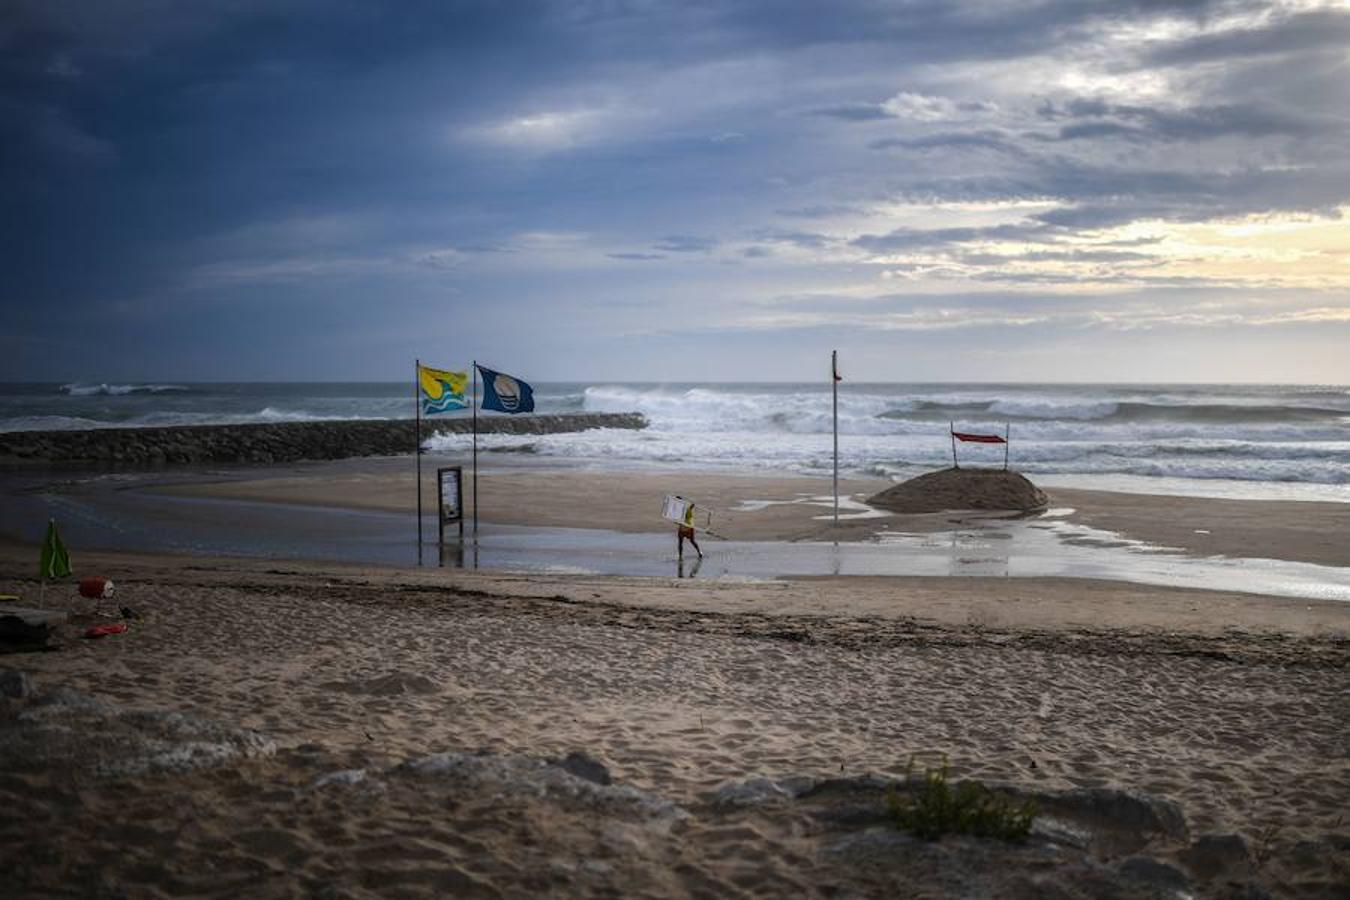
(119, 390)
(1236, 433)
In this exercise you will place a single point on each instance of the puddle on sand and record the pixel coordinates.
(1048, 545)
(848, 507)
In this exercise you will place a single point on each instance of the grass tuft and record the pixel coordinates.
(937, 809)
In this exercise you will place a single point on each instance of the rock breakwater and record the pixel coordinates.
(271, 442)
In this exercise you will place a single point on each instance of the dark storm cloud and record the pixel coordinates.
(174, 168)
(1098, 130)
(1186, 124)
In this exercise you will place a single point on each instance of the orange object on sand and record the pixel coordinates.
(98, 631)
(98, 588)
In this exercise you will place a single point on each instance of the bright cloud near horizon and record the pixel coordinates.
(967, 191)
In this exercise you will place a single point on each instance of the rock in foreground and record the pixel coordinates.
(77, 734)
(950, 489)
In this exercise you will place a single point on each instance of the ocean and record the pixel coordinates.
(1259, 441)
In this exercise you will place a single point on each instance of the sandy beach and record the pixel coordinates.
(404, 730)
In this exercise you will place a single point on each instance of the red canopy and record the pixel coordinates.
(978, 438)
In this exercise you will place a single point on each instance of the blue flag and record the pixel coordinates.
(504, 393)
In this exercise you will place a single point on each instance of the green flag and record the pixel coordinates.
(55, 559)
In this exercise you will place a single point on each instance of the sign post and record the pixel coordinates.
(450, 500)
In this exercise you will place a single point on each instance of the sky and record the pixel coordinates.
(941, 190)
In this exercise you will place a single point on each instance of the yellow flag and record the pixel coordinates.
(441, 390)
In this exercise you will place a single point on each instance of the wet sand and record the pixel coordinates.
(1265, 529)
(629, 501)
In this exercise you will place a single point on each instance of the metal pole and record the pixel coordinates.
(1007, 433)
(474, 401)
(834, 386)
(951, 429)
(417, 450)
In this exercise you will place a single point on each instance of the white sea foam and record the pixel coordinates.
(1272, 434)
(118, 390)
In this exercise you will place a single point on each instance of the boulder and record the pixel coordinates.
(15, 684)
(585, 766)
(751, 792)
(75, 733)
(1214, 855)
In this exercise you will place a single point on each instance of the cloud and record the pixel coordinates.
(269, 151)
(445, 259)
(906, 106)
(1293, 35)
(1197, 123)
(1162, 307)
(910, 239)
(542, 131)
(51, 134)
(987, 139)
(809, 240)
(685, 243)
(62, 66)
(855, 112)
(820, 211)
(929, 108)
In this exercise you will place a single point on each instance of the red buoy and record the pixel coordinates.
(97, 588)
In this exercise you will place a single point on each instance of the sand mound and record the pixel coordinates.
(962, 489)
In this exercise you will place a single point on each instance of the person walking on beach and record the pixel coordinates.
(686, 533)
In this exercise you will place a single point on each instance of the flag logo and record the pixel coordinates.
(508, 392)
(441, 390)
(505, 393)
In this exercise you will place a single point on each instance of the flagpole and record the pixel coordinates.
(417, 450)
(1007, 433)
(951, 429)
(834, 387)
(474, 400)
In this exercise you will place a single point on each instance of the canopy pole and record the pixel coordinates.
(834, 387)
